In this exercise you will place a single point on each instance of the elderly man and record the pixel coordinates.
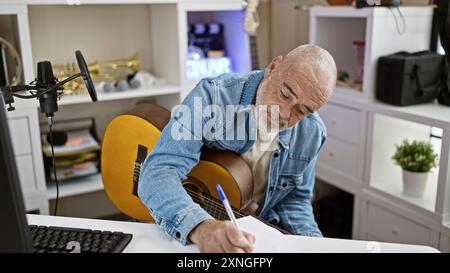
(282, 160)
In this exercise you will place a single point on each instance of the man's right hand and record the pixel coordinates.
(221, 236)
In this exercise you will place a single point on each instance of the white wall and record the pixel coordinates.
(103, 22)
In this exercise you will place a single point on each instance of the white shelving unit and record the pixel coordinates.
(75, 186)
(362, 132)
(335, 29)
(127, 94)
(107, 30)
(23, 121)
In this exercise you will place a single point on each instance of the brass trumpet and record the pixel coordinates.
(100, 71)
(133, 63)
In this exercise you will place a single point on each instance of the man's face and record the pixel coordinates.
(293, 89)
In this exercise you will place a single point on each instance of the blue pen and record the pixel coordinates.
(226, 204)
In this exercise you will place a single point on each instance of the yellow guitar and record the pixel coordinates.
(128, 140)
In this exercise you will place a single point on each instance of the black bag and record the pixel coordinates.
(443, 23)
(409, 78)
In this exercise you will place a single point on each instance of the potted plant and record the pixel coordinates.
(416, 160)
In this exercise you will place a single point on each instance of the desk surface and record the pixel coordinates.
(150, 238)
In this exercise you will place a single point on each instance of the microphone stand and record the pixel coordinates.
(9, 92)
(45, 88)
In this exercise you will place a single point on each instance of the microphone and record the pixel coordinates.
(47, 86)
(45, 80)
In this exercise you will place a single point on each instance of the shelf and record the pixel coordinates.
(384, 174)
(129, 94)
(336, 28)
(352, 12)
(12, 8)
(346, 12)
(75, 186)
(347, 91)
(393, 186)
(97, 2)
(432, 114)
(337, 35)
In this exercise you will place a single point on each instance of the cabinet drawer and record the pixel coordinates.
(389, 227)
(20, 135)
(25, 168)
(340, 156)
(342, 122)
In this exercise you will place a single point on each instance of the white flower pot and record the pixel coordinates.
(414, 183)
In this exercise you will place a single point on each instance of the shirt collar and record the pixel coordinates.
(284, 138)
(251, 86)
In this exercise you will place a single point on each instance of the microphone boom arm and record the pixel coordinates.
(8, 92)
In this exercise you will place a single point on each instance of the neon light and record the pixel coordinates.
(207, 67)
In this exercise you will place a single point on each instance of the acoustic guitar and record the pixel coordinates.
(128, 140)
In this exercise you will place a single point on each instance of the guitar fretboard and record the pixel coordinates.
(254, 52)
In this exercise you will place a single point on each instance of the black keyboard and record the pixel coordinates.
(64, 240)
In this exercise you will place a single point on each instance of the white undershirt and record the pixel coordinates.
(258, 159)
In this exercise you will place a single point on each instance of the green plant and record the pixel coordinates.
(417, 156)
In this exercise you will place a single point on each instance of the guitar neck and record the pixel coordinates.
(253, 52)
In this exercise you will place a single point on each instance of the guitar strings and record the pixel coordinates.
(208, 201)
(215, 204)
(219, 214)
(212, 203)
(216, 212)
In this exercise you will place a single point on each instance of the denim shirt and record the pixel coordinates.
(291, 175)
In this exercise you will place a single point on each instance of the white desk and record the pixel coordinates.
(150, 238)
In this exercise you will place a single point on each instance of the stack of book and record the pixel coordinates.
(77, 156)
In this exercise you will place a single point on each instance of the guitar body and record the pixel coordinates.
(130, 137)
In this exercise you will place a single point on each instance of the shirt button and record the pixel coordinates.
(178, 235)
(275, 155)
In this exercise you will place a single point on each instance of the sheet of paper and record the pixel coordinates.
(271, 240)
(268, 239)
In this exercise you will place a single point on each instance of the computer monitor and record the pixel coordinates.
(14, 231)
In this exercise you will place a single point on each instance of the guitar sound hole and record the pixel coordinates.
(195, 186)
(197, 190)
